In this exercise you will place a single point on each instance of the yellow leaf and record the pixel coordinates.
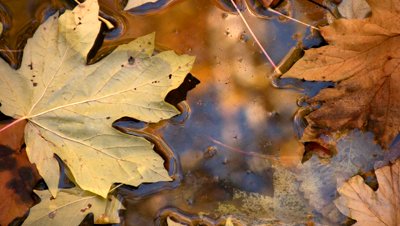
(135, 3)
(361, 203)
(70, 106)
(70, 208)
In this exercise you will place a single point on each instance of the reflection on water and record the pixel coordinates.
(235, 146)
(239, 136)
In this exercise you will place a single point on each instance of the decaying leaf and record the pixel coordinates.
(17, 175)
(70, 106)
(373, 208)
(319, 180)
(363, 58)
(70, 207)
(135, 3)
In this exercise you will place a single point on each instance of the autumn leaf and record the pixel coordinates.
(363, 59)
(18, 175)
(368, 207)
(70, 106)
(70, 208)
(135, 3)
(356, 152)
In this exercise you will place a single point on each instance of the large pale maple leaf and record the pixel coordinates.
(70, 106)
(363, 58)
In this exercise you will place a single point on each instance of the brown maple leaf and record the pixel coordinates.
(363, 58)
(373, 208)
(17, 175)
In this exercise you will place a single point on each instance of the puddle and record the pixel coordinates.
(236, 136)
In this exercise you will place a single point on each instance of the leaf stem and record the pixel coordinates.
(12, 124)
(256, 39)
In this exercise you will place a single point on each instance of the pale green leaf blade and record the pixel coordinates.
(69, 208)
(106, 156)
(41, 153)
(74, 105)
(80, 27)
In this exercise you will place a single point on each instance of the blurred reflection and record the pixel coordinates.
(240, 127)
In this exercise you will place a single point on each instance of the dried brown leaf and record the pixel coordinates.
(363, 57)
(361, 203)
(17, 175)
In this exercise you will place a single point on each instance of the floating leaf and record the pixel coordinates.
(135, 3)
(382, 207)
(363, 58)
(70, 106)
(357, 152)
(70, 208)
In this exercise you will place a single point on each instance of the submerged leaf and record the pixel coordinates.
(356, 153)
(70, 106)
(363, 58)
(358, 201)
(17, 175)
(70, 208)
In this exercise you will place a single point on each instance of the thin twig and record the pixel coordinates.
(12, 124)
(250, 153)
(256, 39)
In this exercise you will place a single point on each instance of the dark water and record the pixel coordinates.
(235, 124)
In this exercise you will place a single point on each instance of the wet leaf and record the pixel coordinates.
(135, 3)
(382, 207)
(70, 208)
(363, 58)
(171, 222)
(18, 175)
(357, 152)
(354, 9)
(70, 106)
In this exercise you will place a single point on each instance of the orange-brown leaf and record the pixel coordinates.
(17, 175)
(363, 57)
(373, 208)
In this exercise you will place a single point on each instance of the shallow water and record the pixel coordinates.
(236, 133)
